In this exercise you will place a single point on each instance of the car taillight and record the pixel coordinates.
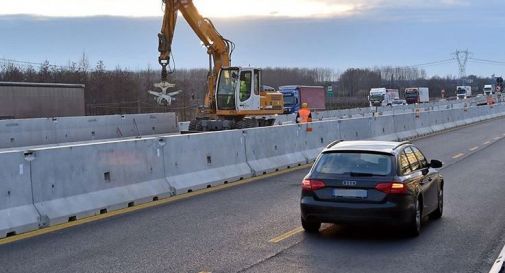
(312, 185)
(392, 188)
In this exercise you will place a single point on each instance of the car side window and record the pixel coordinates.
(420, 157)
(411, 157)
(404, 164)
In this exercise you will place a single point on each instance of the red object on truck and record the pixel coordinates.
(296, 95)
(315, 96)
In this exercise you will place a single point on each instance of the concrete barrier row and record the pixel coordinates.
(54, 185)
(44, 131)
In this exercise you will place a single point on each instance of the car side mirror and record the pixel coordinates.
(437, 164)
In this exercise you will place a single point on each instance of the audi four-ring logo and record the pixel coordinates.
(349, 183)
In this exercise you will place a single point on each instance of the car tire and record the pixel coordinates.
(437, 214)
(414, 226)
(311, 226)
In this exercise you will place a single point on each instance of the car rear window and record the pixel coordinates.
(354, 164)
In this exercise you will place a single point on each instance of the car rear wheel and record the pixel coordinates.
(311, 226)
(437, 214)
(414, 227)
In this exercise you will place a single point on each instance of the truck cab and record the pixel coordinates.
(377, 97)
(489, 90)
(463, 92)
(417, 95)
(383, 97)
(291, 96)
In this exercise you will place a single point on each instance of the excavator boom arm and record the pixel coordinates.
(218, 48)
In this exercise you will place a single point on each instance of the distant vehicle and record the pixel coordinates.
(463, 92)
(296, 95)
(417, 95)
(399, 102)
(382, 97)
(363, 182)
(489, 89)
(481, 99)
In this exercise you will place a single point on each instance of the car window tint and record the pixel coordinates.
(354, 164)
(404, 164)
(420, 157)
(411, 157)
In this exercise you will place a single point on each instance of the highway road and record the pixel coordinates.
(254, 227)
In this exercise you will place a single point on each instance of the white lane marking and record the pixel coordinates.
(474, 148)
(458, 156)
(497, 138)
(487, 142)
(499, 263)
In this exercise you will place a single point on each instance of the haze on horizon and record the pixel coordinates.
(336, 34)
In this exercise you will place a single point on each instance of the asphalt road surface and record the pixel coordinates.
(255, 227)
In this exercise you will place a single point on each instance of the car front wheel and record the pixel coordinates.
(311, 226)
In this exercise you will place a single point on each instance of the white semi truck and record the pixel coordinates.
(489, 89)
(463, 92)
(383, 97)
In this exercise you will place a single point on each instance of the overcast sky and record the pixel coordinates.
(311, 33)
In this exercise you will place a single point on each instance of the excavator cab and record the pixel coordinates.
(239, 90)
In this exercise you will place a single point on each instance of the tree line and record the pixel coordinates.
(122, 91)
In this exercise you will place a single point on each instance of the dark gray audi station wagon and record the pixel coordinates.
(364, 182)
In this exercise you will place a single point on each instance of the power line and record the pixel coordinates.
(435, 62)
(486, 61)
(4, 60)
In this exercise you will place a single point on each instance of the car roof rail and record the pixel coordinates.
(401, 144)
(334, 143)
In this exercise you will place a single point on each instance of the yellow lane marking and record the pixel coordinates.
(286, 235)
(474, 148)
(487, 142)
(458, 155)
(160, 202)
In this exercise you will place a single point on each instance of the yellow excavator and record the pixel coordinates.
(235, 97)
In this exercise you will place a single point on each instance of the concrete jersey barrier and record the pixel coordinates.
(17, 213)
(271, 149)
(78, 181)
(197, 161)
(49, 186)
(44, 131)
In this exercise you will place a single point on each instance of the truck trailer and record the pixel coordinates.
(19, 100)
(296, 95)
